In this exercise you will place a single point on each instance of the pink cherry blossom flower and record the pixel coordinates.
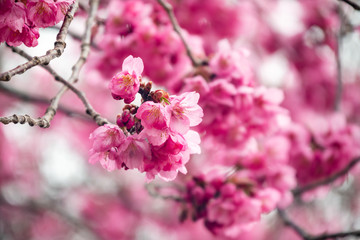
(232, 209)
(126, 83)
(185, 112)
(155, 118)
(27, 35)
(12, 15)
(229, 62)
(269, 198)
(42, 13)
(193, 140)
(222, 92)
(133, 151)
(168, 159)
(106, 136)
(105, 142)
(62, 7)
(107, 159)
(14, 26)
(197, 84)
(46, 13)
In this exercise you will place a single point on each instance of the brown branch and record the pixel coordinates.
(339, 86)
(85, 8)
(306, 236)
(54, 206)
(77, 37)
(43, 123)
(301, 232)
(58, 49)
(41, 100)
(47, 67)
(85, 50)
(328, 180)
(86, 41)
(352, 3)
(153, 191)
(169, 10)
(50, 112)
(355, 233)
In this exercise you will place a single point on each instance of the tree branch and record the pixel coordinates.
(306, 236)
(77, 36)
(301, 232)
(153, 191)
(352, 3)
(85, 49)
(17, 118)
(328, 180)
(52, 205)
(169, 10)
(355, 233)
(58, 49)
(339, 87)
(41, 100)
(52, 108)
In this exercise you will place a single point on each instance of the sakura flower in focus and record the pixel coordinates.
(158, 138)
(133, 151)
(169, 158)
(14, 26)
(185, 112)
(105, 140)
(20, 20)
(125, 84)
(155, 118)
(12, 15)
(42, 13)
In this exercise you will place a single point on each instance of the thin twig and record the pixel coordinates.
(86, 41)
(58, 49)
(89, 109)
(51, 110)
(328, 180)
(85, 49)
(85, 8)
(77, 37)
(52, 205)
(301, 232)
(169, 10)
(18, 118)
(154, 193)
(306, 236)
(25, 97)
(355, 233)
(352, 3)
(47, 67)
(339, 87)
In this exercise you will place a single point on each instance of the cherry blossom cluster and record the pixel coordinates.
(20, 20)
(311, 81)
(262, 141)
(232, 204)
(324, 148)
(244, 129)
(155, 137)
(198, 18)
(237, 107)
(143, 29)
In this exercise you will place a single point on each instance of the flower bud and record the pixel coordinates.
(159, 96)
(130, 123)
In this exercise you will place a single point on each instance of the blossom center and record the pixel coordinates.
(128, 80)
(177, 111)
